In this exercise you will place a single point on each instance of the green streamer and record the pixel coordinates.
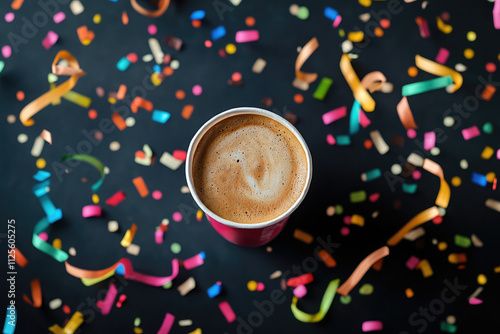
(90, 160)
(326, 302)
(424, 86)
(44, 246)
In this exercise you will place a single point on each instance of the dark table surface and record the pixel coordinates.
(337, 169)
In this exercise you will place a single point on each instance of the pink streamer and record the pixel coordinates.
(109, 299)
(148, 279)
(334, 115)
(91, 211)
(167, 324)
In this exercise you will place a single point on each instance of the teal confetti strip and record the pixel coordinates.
(358, 196)
(343, 140)
(44, 246)
(10, 320)
(425, 86)
(322, 89)
(326, 302)
(410, 188)
(371, 175)
(90, 160)
(462, 241)
(354, 119)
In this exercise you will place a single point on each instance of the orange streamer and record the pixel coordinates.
(373, 81)
(304, 54)
(36, 294)
(418, 220)
(41, 102)
(405, 114)
(162, 7)
(359, 92)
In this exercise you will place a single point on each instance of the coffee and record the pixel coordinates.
(249, 169)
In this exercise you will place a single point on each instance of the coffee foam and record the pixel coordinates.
(249, 169)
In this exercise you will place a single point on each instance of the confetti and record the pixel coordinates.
(129, 236)
(322, 89)
(303, 236)
(325, 304)
(91, 211)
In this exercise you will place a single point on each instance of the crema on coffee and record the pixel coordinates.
(249, 168)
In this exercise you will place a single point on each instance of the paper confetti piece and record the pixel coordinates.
(187, 111)
(91, 211)
(16, 4)
(361, 270)
(419, 219)
(425, 86)
(9, 326)
(47, 136)
(445, 28)
(488, 92)
(160, 116)
(36, 294)
(326, 302)
(59, 17)
(303, 236)
(259, 66)
(423, 27)
(50, 39)
(118, 121)
(20, 259)
(334, 115)
(85, 35)
(76, 7)
(359, 92)
(214, 290)
(116, 198)
(141, 187)
(322, 89)
(218, 33)
(78, 99)
(90, 160)
(162, 7)
(129, 236)
(139, 102)
(194, 261)
(302, 279)
(429, 140)
(371, 326)
(187, 286)
(304, 54)
(371, 175)
(442, 56)
(379, 142)
(373, 81)
(300, 291)
(245, 36)
(440, 70)
(109, 300)
(71, 326)
(37, 148)
(425, 267)
(227, 311)
(493, 204)
(412, 262)
(327, 258)
(496, 14)
(457, 258)
(354, 118)
(168, 160)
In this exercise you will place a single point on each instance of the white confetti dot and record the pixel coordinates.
(147, 58)
(113, 226)
(330, 211)
(460, 67)
(448, 121)
(175, 64)
(106, 170)
(22, 138)
(114, 146)
(55, 303)
(396, 169)
(451, 319)
(72, 251)
(464, 164)
(387, 87)
(185, 190)
(435, 151)
(130, 121)
(11, 119)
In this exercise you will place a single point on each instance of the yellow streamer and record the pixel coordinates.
(419, 219)
(360, 93)
(439, 70)
(41, 102)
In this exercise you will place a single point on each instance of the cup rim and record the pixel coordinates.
(240, 111)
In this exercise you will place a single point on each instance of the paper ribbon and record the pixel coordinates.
(36, 294)
(418, 220)
(72, 325)
(162, 7)
(405, 114)
(373, 81)
(41, 102)
(361, 270)
(360, 93)
(90, 160)
(326, 302)
(443, 197)
(304, 54)
(432, 67)
(425, 86)
(44, 246)
(90, 277)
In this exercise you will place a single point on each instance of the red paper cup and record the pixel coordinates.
(246, 234)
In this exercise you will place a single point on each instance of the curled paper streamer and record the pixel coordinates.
(107, 304)
(304, 54)
(162, 7)
(418, 220)
(36, 294)
(360, 93)
(425, 86)
(361, 270)
(443, 197)
(90, 160)
(123, 266)
(41, 102)
(373, 81)
(405, 114)
(326, 302)
(432, 67)
(71, 327)
(44, 246)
